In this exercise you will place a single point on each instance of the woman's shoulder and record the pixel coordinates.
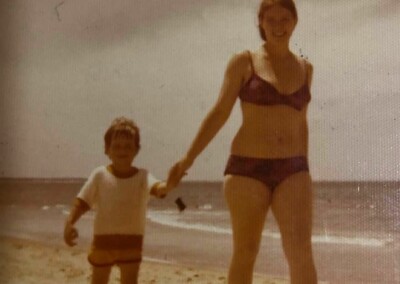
(245, 57)
(303, 60)
(307, 67)
(240, 62)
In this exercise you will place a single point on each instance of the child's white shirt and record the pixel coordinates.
(120, 203)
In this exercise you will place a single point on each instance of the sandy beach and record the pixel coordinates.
(24, 262)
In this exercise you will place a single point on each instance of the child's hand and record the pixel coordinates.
(161, 190)
(70, 234)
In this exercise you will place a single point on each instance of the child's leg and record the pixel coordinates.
(129, 272)
(100, 274)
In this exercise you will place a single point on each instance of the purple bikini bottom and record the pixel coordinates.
(271, 172)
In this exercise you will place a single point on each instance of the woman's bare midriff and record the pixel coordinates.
(271, 132)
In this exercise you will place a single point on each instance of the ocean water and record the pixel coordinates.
(359, 213)
(341, 209)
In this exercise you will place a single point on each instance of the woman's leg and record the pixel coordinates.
(292, 207)
(248, 201)
(129, 273)
(100, 274)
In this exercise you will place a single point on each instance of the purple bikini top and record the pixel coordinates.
(261, 92)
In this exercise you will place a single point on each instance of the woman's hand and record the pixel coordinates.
(177, 171)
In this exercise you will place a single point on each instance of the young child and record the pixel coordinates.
(119, 194)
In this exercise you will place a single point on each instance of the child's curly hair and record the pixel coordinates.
(122, 126)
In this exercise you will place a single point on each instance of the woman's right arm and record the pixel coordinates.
(234, 77)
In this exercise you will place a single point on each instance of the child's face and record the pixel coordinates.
(122, 151)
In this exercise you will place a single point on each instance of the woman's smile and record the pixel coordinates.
(279, 34)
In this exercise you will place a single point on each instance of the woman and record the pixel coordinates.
(268, 166)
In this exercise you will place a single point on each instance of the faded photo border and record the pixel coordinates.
(69, 67)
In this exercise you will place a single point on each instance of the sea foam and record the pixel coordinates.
(175, 220)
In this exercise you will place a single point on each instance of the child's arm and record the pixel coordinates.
(79, 207)
(160, 189)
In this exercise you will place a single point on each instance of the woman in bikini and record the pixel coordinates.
(268, 165)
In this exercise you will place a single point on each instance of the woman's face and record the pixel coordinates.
(278, 24)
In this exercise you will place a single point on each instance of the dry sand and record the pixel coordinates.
(24, 262)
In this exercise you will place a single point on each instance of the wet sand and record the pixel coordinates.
(23, 262)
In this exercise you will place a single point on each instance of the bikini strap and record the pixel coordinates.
(251, 61)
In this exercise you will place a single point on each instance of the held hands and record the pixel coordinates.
(161, 190)
(177, 172)
(70, 234)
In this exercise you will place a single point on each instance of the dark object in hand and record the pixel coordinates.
(180, 204)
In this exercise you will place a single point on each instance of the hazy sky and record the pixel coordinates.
(69, 67)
